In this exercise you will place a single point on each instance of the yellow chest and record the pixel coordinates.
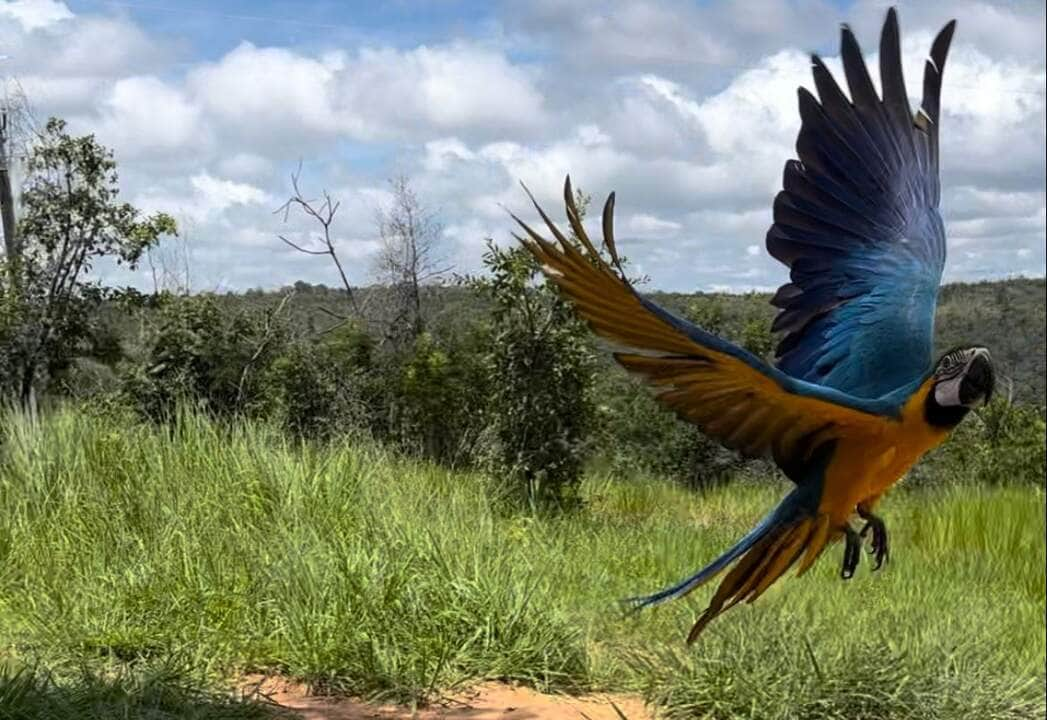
(863, 467)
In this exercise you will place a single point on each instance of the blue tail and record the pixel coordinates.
(786, 511)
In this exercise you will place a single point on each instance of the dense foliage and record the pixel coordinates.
(542, 371)
(136, 558)
(503, 378)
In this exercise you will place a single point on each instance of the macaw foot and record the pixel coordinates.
(851, 553)
(880, 548)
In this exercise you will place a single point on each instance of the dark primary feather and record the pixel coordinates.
(857, 223)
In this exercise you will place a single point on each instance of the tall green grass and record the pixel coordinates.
(219, 550)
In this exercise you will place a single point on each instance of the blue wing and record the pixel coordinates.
(858, 225)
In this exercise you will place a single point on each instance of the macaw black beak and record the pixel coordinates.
(979, 380)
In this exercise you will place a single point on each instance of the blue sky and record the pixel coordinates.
(211, 29)
(687, 110)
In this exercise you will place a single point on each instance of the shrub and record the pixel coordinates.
(637, 436)
(1001, 444)
(436, 396)
(542, 372)
(199, 352)
(311, 398)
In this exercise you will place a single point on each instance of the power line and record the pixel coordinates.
(182, 10)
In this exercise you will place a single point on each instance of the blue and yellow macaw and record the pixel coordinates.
(855, 398)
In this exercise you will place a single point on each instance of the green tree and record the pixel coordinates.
(323, 386)
(542, 374)
(756, 337)
(71, 219)
(434, 395)
(706, 311)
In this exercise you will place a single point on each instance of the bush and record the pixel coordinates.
(307, 397)
(1001, 444)
(322, 387)
(436, 396)
(542, 373)
(196, 351)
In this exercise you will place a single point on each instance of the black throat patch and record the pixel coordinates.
(942, 417)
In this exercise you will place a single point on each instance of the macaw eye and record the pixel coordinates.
(952, 364)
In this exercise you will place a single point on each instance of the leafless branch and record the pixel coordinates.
(331, 313)
(169, 261)
(301, 249)
(334, 327)
(323, 212)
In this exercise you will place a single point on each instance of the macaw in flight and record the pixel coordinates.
(855, 397)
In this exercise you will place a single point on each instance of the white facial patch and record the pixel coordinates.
(947, 392)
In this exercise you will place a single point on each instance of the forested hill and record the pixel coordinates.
(1007, 316)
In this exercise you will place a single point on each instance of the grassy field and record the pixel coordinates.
(142, 570)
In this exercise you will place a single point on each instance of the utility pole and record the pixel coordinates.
(12, 249)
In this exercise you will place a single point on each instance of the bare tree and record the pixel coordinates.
(322, 211)
(169, 262)
(7, 202)
(408, 258)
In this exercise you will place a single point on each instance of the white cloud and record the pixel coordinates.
(203, 198)
(443, 153)
(260, 93)
(102, 46)
(966, 202)
(377, 93)
(69, 67)
(687, 111)
(221, 194)
(35, 14)
(646, 226)
(451, 87)
(246, 166)
(756, 113)
(143, 116)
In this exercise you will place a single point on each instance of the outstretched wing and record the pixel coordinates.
(732, 395)
(857, 223)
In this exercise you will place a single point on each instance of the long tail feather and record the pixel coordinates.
(786, 512)
(762, 566)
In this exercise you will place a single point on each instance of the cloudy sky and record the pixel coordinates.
(686, 109)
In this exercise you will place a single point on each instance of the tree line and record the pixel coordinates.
(490, 372)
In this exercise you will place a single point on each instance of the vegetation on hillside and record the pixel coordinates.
(393, 490)
(197, 551)
(485, 373)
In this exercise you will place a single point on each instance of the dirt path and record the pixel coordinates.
(489, 701)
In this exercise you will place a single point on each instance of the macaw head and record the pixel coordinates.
(963, 380)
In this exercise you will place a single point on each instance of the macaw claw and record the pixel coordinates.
(879, 547)
(851, 553)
